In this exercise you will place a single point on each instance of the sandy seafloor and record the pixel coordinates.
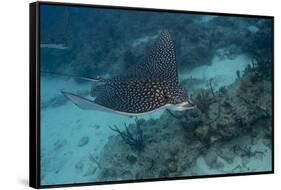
(64, 126)
(70, 135)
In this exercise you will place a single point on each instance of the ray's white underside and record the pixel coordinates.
(88, 104)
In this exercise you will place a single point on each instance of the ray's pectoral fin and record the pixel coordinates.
(79, 101)
(83, 103)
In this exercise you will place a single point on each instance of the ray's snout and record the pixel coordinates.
(191, 104)
(186, 105)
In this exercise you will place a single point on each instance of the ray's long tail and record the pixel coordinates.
(71, 76)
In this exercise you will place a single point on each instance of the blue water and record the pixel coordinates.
(78, 146)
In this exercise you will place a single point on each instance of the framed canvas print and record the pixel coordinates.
(121, 94)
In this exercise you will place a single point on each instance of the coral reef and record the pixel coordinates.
(222, 135)
(203, 101)
(133, 139)
(111, 49)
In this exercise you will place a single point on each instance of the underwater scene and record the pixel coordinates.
(145, 95)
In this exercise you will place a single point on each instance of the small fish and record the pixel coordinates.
(146, 87)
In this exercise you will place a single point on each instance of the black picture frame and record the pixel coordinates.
(34, 94)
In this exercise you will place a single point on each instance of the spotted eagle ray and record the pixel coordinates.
(146, 87)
